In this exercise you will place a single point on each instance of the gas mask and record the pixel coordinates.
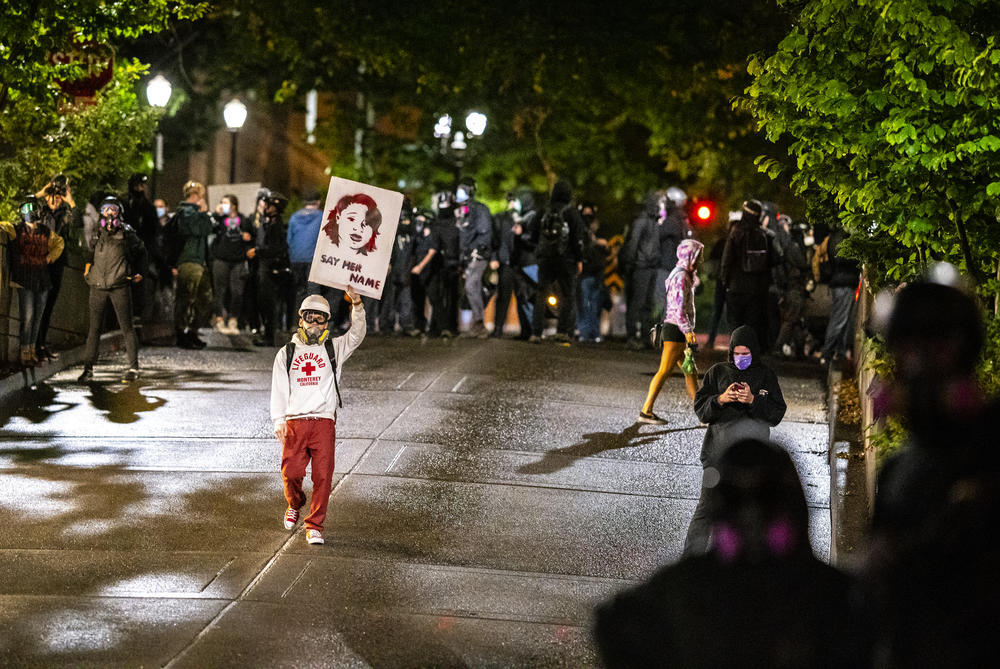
(514, 205)
(314, 327)
(111, 218)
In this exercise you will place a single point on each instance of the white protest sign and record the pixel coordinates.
(356, 237)
(246, 193)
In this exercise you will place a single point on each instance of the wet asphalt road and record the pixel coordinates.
(488, 494)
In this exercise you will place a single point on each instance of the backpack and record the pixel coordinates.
(553, 232)
(755, 245)
(172, 242)
(328, 344)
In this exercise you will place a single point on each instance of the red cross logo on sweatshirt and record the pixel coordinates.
(308, 368)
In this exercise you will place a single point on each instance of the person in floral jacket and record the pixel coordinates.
(677, 331)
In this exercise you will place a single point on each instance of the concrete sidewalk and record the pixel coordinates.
(488, 495)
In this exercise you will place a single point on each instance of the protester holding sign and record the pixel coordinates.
(305, 395)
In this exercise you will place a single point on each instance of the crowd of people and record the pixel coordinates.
(243, 270)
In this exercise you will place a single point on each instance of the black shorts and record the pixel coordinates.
(672, 333)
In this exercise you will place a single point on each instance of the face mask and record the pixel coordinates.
(225, 208)
(161, 212)
(809, 240)
(742, 361)
(313, 333)
(111, 224)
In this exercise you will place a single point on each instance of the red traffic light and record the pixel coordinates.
(704, 211)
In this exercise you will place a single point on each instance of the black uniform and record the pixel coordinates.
(396, 298)
(447, 296)
(516, 253)
(558, 256)
(275, 284)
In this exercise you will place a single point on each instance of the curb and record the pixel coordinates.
(110, 341)
(848, 506)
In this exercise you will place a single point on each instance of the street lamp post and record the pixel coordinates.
(158, 92)
(475, 125)
(235, 115)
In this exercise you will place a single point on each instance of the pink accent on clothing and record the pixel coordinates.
(680, 286)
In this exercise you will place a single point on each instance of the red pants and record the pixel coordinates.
(308, 439)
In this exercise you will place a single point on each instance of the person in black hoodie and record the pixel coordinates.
(672, 228)
(425, 273)
(271, 251)
(140, 215)
(641, 256)
(843, 284)
(738, 399)
(559, 251)
(747, 260)
(446, 231)
(931, 567)
(397, 299)
(114, 261)
(517, 263)
(758, 598)
(230, 252)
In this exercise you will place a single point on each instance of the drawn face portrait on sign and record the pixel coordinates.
(354, 223)
(350, 251)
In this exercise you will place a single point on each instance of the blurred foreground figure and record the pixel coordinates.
(934, 553)
(758, 598)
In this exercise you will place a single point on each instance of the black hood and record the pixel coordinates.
(745, 336)
(527, 201)
(562, 193)
(651, 204)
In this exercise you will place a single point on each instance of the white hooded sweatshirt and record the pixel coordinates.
(307, 390)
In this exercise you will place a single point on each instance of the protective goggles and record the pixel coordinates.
(314, 317)
(110, 211)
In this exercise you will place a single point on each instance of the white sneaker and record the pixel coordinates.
(291, 517)
(314, 536)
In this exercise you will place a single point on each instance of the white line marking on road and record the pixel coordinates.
(405, 380)
(296, 579)
(395, 459)
(459, 384)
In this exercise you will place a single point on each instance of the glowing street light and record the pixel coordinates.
(442, 128)
(158, 91)
(235, 115)
(475, 122)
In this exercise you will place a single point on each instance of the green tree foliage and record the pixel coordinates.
(41, 131)
(618, 97)
(891, 109)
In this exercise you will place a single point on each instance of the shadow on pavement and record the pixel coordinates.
(116, 563)
(35, 403)
(122, 405)
(592, 444)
